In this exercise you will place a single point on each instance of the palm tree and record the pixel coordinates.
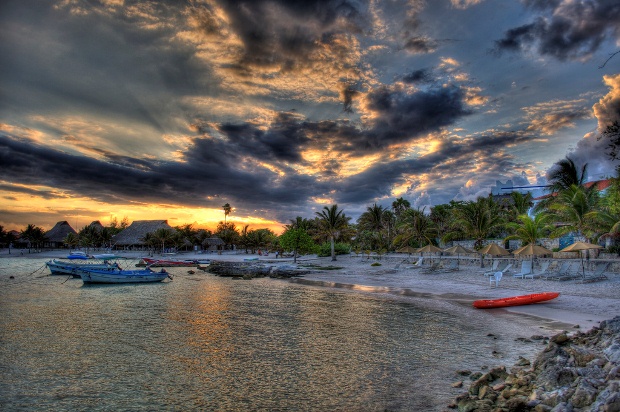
(521, 203)
(32, 235)
(565, 174)
(606, 222)
(331, 222)
(187, 235)
(415, 228)
(389, 221)
(89, 237)
(530, 229)
(300, 223)
(477, 220)
(72, 240)
(163, 235)
(372, 218)
(400, 205)
(573, 207)
(227, 209)
(228, 232)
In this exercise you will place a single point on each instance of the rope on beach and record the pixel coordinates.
(39, 269)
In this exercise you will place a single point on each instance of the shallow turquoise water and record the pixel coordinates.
(202, 342)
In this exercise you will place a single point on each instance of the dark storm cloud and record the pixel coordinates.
(400, 115)
(282, 141)
(567, 30)
(419, 76)
(420, 44)
(348, 94)
(102, 63)
(270, 37)
(209, 168)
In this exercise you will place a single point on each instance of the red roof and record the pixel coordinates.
(600, 185)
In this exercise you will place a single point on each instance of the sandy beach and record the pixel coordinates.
(579, 307)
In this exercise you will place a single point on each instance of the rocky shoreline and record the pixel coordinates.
(574, 373)
(252, 269)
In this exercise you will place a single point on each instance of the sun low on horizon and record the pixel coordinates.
(168, 110)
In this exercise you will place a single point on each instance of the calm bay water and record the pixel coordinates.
(202, 342)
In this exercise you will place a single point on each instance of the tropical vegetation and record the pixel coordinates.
(571, 206)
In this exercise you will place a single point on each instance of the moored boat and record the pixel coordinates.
(515, 300)
(106, 256)
(58, 267)
(122, 276)
(77, 254)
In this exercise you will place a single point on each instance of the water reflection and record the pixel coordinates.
(208, 343)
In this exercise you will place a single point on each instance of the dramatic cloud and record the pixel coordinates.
(548, 118)
(169, 109)
(592, 149)
(567, 30)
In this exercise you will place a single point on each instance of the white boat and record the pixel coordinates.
(58, 267)
(122, 276)
(106, 256)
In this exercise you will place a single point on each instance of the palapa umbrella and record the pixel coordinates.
(407, 249)
(492, 249)
(429, 249)
(578, 247)
(458, 249)
(532, 250)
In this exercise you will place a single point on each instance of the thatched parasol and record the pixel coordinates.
(492, 249)
(458, 249)
(578, 247)
(407, 249)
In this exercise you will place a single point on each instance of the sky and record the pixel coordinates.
(170, 109)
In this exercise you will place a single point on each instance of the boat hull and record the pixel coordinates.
(57, 267)
(122, 276)
(515, 300)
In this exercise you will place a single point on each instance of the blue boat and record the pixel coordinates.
(58, 267)
(77, 255)
(122, 276)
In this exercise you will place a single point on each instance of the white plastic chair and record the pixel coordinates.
(496, 277)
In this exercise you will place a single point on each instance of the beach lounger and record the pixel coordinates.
(571, 272)
(450, 266)
(417, 264)
(598, 274)
(434, 267)
(497, 266)
(562, 269)
(544, 266)
(526, 269)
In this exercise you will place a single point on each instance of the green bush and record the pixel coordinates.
(375, 264)
(340, 248)
(613, 249)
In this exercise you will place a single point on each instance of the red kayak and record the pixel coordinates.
(515, 300)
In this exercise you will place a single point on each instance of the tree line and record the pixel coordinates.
(571, 206)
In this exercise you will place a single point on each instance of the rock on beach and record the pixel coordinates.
(574, 373)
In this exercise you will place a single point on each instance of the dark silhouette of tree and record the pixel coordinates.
(612, 132)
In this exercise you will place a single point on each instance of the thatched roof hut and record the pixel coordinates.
(213, 243)
(55, 236)
(133, 234)
(97, 225)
